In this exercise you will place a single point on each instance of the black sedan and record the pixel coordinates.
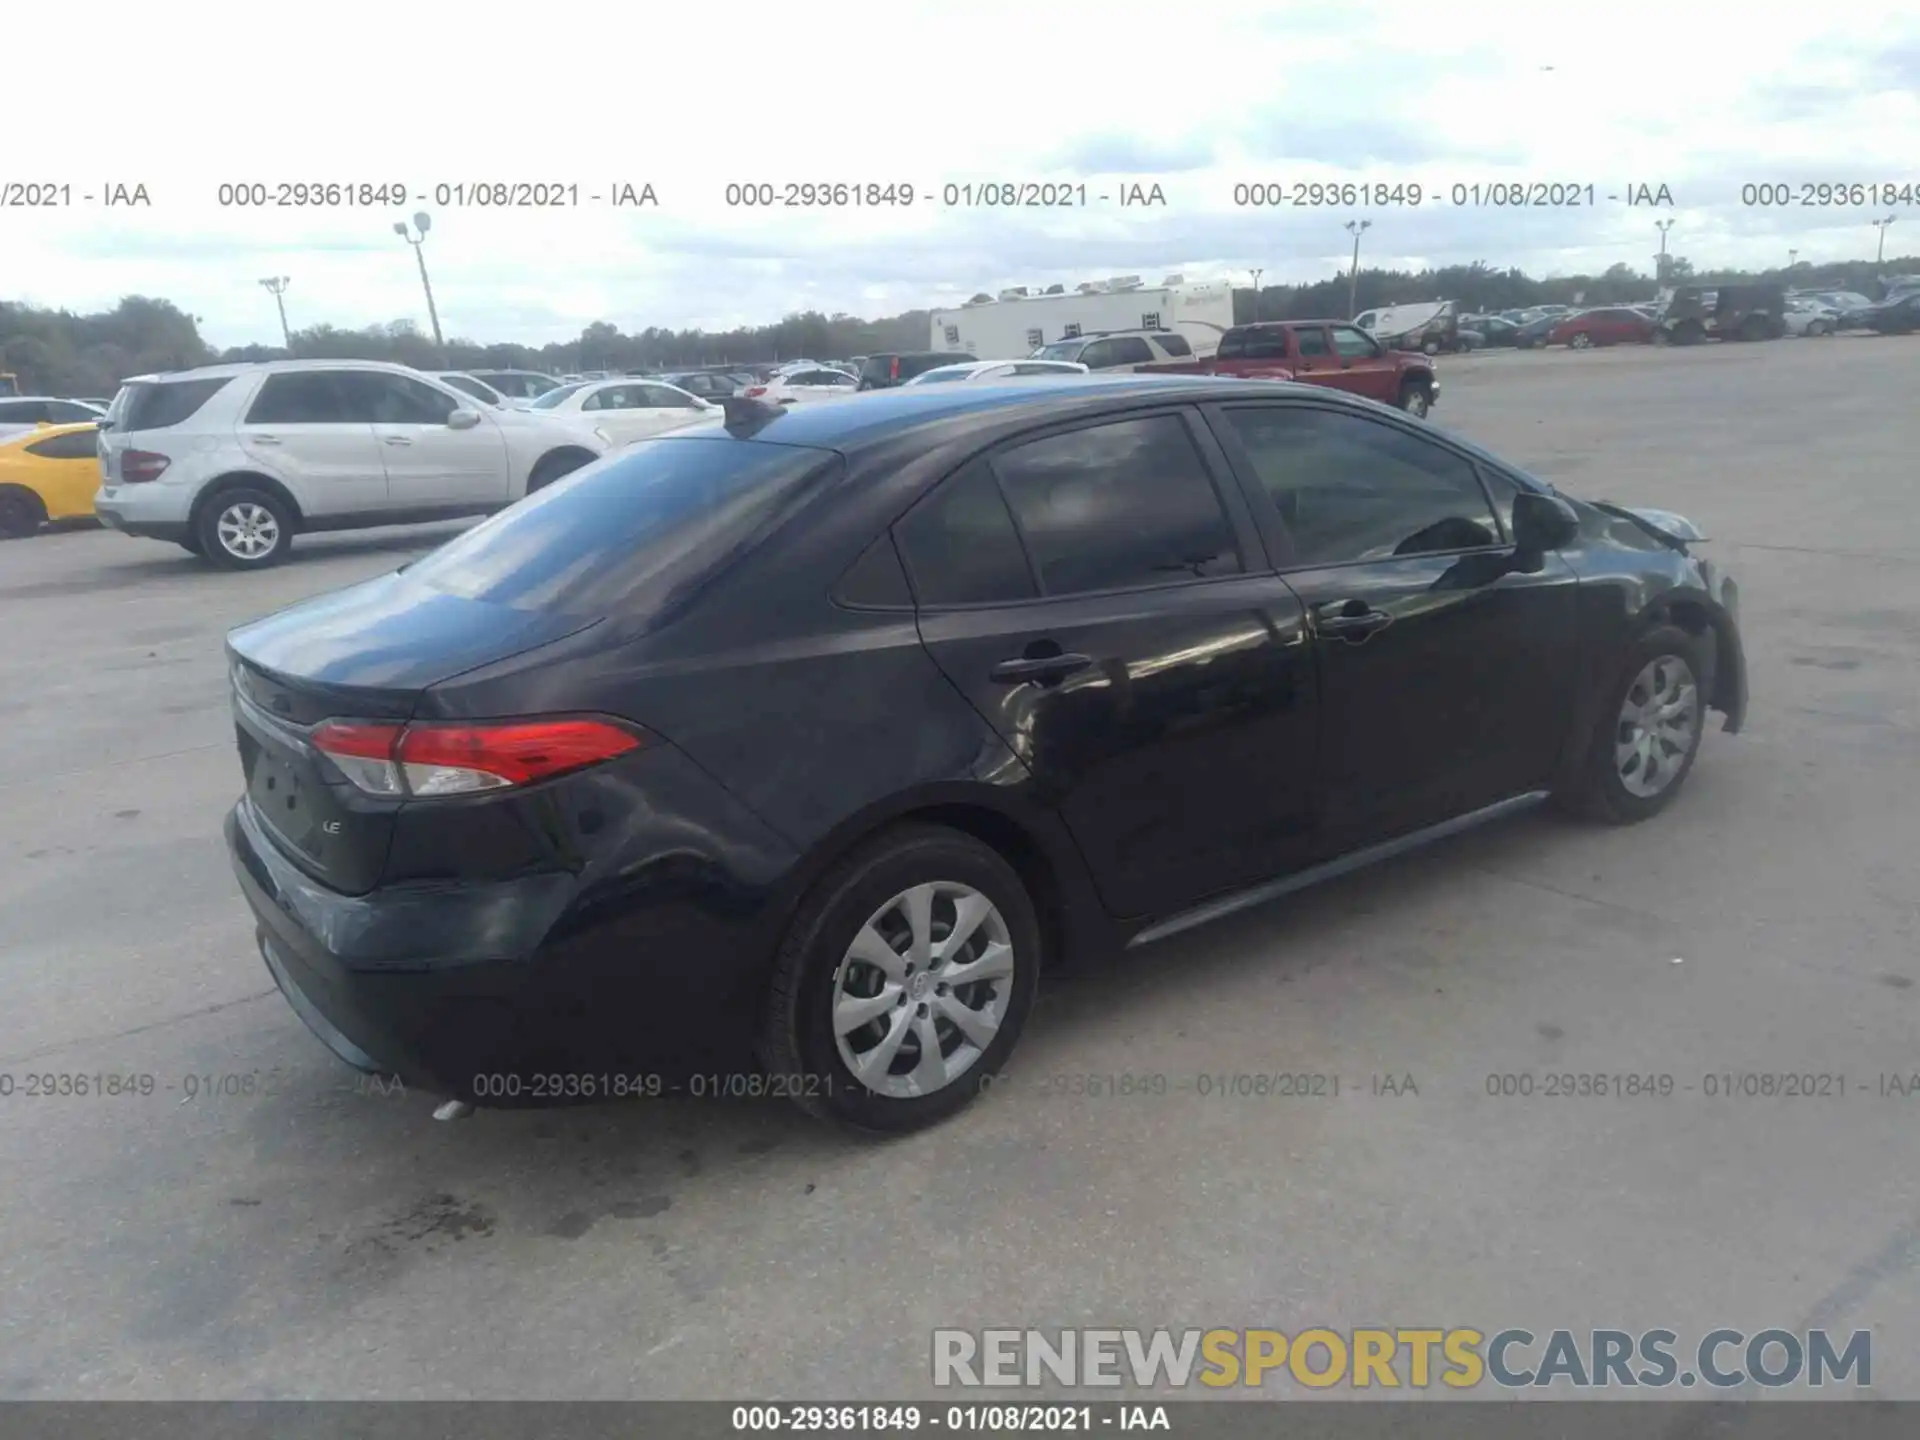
(782, 757)
(1533, 335)
(1898, 316)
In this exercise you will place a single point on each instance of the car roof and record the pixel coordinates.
(63, 399)
(270, 367)
(878, 417)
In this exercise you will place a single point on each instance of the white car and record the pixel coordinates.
(1810, 317)
(999, 370)
(45, 410)
(515, 384)
(231, 461)
(478, 389)
(800, 386)
(627, 410)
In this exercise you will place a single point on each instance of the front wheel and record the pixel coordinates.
(244, 529)
(1415, 399)
(903, 981)
(1649, 733)
(1581, 341)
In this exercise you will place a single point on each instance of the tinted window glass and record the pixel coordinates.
(1233, 345)
(1354, 489)
(65, 412)
(960, 545)
(1312, 343)
(1063, 350)
(1131, 350)
(23, 412)
(875, 580)
(395, 399)
(1118, 506)
(470, 386)
(632, 535)
(615, 397)
(1352, 344)
(157, 405)
(550, 399)
(1175, 345)
(1098, 355)
(1265, 345)
(663, 398)
(80, 445)
(302, 397)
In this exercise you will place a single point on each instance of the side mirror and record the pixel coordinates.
(1542, 523)
(463, 419)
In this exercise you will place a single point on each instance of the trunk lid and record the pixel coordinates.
(364, 653)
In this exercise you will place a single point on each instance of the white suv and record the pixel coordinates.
(232, 460)
(1117, 350)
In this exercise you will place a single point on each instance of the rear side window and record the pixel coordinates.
(880, 367)
(1131, 350)
(1118, 506)
(635, 534)
(1175, 345)
(961, 547)
(159, 404)
(80, 445)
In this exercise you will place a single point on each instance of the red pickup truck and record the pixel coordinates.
(1318, 352)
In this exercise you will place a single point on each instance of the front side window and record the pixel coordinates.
(1131, 350)
(1312, 343)
(1099, 355)
(1118, 506)
(1354, 489)
(1175, 345)
(396, 399)
(1352, 344)
(960, 545)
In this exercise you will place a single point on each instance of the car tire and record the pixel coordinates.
(821, 971)
(1431, 347)
(22, 512)
(1415, 399)
(549, 468)
(1580, 340)
(1632, 770)
(245, 528)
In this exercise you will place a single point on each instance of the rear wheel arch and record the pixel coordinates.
(560, 460)
(242, 480)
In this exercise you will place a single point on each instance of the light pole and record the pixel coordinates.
(1792, 257)
(1660, 260)
(423, 222)
(1256, 296)
(1356, 228)
(277, 287)
(1880, 255)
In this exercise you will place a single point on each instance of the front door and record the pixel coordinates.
(1365, 368)
(1104, 603)
(430, 464)
(1447, 675)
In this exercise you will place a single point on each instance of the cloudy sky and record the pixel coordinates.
(1702, 98)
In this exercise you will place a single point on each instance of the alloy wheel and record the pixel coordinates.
(247, 531)
(1658, 723)
(923, 989)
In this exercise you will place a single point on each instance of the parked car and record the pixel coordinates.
(1533, 335)
(1898, 316)
(801, 386)
(626, 410)
(1431, 327)
(46, 410)
(1495, 331)
(231, 461)
(1607, 325)
(999, 370)
(1329, 353)
(516, 384)
(1730, 312)
(593, 790)
(47, 472)
(709, 385)
(477, 388)
(1806, 317)
(1118, 350)
(882, 372)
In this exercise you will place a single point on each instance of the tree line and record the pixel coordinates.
(59, 352)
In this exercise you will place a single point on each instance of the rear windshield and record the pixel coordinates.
(634, 534)
(158, 404)
(878, 367)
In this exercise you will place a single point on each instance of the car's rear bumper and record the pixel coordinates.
(494, 991)
(152, 512)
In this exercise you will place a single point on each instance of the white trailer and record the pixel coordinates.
(1021, 320)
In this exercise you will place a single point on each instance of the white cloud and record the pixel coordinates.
(922, 92)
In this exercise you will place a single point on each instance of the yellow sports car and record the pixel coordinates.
(49, 472)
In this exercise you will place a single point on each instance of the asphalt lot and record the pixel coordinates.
(311, 1239)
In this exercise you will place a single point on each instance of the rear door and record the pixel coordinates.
(1447, 676)
(306, 428)
(1365, 367)
(1099, 595)
(430, 465)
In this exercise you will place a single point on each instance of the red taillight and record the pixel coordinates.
(893, 368)
(754, 392)
(139, 466)
(455, 759)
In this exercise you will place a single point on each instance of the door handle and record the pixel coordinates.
(1041, 669)
(266, 439)
(1351, 620)
(396, 440)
